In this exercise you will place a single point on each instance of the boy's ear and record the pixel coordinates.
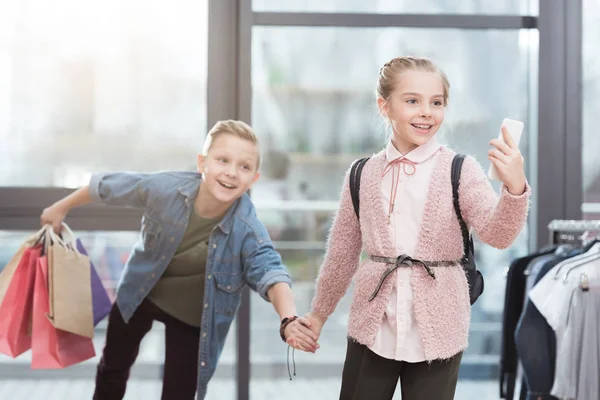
(200, 163)
(256, 177)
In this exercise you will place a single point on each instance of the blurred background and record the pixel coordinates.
(109, 85)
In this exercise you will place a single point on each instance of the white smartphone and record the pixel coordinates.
(515, 129)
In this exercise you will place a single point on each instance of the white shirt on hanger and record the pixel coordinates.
(552, 293)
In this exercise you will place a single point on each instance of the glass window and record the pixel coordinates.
(88, 86)
(315, 110)
(522, 7)
(591, 108)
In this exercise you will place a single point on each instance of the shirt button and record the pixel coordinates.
(142, 290)
(164, 257)
(153, 275)
(206, 305)
(228, 287)
(209, 276)
(203, 334)
(214, 246)
(172, 239)
(203, 364)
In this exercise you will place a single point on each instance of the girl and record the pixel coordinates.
(413, 324)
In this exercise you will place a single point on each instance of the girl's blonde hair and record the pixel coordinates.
(238, 129)
(388, 74)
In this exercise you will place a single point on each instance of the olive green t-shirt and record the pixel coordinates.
(180, 290)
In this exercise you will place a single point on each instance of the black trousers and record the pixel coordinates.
(368, 376)
(123, 344)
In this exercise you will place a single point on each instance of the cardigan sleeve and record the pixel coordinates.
(496, 219)
(341, 257)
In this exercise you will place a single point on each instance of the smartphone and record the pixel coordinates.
(515, 130)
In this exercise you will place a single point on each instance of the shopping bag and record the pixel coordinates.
(8, 271)
(50, 347)
(101, 303)
(16, 309)
(69, 288)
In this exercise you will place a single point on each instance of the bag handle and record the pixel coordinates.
(69, 238)
(66, 239)
(36, 237)
(54, 237)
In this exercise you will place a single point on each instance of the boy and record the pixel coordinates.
(200, 244)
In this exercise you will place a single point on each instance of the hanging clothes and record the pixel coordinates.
(534, 338)
(544, 302)
(556, 297)
(513, 306)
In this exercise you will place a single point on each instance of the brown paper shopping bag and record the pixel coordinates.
(69, 288)
(9, 270)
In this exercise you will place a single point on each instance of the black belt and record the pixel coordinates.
(405, 261)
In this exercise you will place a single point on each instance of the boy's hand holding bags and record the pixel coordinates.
(57, 327)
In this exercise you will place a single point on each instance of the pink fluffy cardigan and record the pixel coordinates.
(441, 306)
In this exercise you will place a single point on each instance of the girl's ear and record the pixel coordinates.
(383, 107)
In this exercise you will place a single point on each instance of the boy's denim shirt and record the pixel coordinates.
(240, 252)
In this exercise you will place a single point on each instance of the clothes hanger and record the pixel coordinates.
(580, 264)
(589, 240)
(592, 253)
(558, 251)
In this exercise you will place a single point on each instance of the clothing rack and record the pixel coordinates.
(572, 231)
(522, 318)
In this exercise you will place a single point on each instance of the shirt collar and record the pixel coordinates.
(190, 191)
(418, 155)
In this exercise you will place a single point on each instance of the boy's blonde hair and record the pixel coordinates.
(238, 129)
(388, 74)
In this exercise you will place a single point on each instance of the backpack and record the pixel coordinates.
(474, 277)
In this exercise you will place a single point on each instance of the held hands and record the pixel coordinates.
(509, 162)
(299, 335)
(303, 333)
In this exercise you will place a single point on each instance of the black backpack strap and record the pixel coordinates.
(355, 173)
(457, 163)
